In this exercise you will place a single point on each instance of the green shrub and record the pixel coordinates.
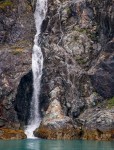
(111, 102)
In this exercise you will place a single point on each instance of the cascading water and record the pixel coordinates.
(37, 66)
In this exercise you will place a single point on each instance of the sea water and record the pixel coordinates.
(40, 144)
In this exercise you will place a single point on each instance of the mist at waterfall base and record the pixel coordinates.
(40, 144)
(37, 66)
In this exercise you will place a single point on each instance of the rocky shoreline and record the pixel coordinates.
(10, 134)
(57, 126)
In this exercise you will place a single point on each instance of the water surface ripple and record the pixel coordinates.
(39, 144)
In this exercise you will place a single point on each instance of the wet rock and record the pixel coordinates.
(98, 135)
(9, 134)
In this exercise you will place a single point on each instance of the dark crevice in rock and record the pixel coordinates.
(24, 97)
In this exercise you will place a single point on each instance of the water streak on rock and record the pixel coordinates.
(37, 66)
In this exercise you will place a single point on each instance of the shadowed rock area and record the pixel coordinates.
(23, 98)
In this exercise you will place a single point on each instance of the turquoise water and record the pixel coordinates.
(37, 144)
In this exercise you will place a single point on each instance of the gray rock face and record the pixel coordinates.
(76, 57)
(16, 38)
(13, 67)
(2, 122)
(17, 23)
(102, 76)
(102, 120)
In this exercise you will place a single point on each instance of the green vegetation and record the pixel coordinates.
(4, 4)
(111, 102)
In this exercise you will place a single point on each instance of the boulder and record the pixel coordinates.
(55, 125)
(98, 124)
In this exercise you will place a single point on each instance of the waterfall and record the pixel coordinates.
(37, 66)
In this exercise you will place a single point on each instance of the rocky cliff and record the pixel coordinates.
(78, 46)
(16, 39)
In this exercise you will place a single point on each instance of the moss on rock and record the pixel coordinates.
(111, 102)
(6, 3)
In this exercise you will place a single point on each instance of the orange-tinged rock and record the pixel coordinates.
(7, 134)
(98, 135)
(67, 132)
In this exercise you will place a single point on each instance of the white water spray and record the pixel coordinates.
(37, 66)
